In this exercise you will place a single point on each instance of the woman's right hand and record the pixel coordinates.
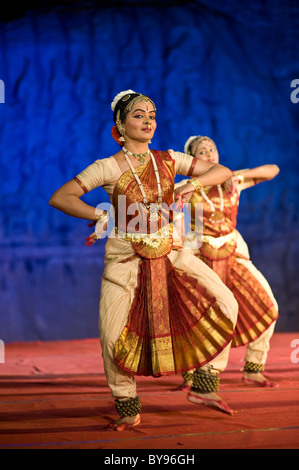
(101, 227)
(231, 184)
(184, 193)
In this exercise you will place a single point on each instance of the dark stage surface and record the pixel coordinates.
(54, 396)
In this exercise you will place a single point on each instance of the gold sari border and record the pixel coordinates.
(180, 353)
(242, 339)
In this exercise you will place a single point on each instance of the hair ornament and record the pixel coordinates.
(119, 96)
(189, 142)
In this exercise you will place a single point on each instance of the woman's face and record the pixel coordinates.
(140, 123)
(206, 150)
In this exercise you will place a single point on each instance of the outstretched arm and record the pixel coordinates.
(262, 173)
(249, 177)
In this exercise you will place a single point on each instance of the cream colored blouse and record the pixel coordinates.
(106, 172)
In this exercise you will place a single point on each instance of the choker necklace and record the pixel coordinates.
(152, 207)
(139, 156)
(216, 216)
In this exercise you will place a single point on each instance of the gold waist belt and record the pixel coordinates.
(151, 239)
(217, 242)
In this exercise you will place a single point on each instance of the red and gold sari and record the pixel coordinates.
(257, 307)
(175, 323)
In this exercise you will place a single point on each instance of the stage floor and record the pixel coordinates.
(53, 395)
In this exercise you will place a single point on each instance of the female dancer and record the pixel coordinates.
(161, 312)
(223, 249)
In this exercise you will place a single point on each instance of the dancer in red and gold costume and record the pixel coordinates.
(223, 249)
(162, 311)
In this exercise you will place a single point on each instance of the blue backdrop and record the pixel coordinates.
(222, 69)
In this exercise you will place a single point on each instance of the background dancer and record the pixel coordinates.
(223, 249)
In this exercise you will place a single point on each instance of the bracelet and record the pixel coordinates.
(196, 183)
(240, 177)
(101, 217)
(101, 220)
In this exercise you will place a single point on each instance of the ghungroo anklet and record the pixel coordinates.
(129, 407)
(188, 376)
(253, 368)
(205, 382)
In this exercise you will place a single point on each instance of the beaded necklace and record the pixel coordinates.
(216, 216)
(153, 207)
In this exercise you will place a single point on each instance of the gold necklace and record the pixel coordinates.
(216, 216)
(141, 157)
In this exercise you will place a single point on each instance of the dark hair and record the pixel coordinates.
(124, 105)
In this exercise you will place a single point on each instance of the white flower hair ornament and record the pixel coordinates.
(189, 142)
(119, 97)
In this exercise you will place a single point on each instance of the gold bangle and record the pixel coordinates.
(238, 175)
(196, 183)
(240, 178)
(101, 216)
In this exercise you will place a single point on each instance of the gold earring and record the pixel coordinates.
(120, 127)
(121, 130)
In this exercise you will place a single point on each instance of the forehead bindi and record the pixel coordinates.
(206, 144)
(143, 107)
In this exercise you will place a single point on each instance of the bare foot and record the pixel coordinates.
(124, 424)
(256, 379)
(184, 387)
(210, 399)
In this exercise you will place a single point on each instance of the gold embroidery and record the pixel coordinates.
(256, 309)
(159, 243)
(209, 335)
(170, 329)
(153, 240)
(230, 207)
